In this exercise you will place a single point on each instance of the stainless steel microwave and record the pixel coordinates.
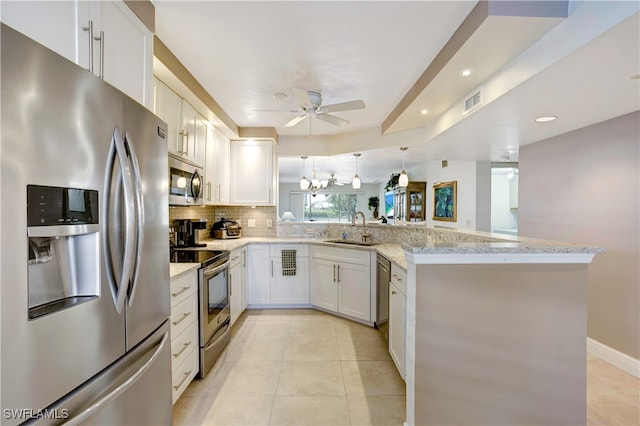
(186, 180)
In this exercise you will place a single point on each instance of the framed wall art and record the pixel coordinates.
(445, 197)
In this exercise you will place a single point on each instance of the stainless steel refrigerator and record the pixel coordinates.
(84, 254)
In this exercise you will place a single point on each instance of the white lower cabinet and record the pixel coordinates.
(289, 278)
(274, 282)
(341, 281)
(237, 284)
(397, 321)
(184, 331)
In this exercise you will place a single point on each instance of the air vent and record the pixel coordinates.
(472, 102)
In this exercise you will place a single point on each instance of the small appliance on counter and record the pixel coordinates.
(225, 229)
(186, 232)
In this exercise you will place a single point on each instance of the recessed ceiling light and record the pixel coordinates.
(280, 96)
(424, 112)
(546, 118)
(466, 72)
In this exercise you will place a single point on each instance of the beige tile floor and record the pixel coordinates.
(304, 367)
(297, 367)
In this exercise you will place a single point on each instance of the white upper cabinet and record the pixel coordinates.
(253, 179)
(187, 133)
(218, 153)
(120, 48)
(168, 106)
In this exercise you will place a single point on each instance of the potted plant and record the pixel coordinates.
(392, 182)
(373, 204)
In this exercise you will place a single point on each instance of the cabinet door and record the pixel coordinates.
(259, 275)
(128, 50)
(244, 292)
(170, 111)
(217, 166)
(324, 285)
(187, 134)
(53, 24)
(235, 296)
(397, 308)
(290, 289)
(200, 140)
(354, 290)
(252, 176)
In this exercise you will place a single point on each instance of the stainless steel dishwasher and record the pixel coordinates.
(383, 277)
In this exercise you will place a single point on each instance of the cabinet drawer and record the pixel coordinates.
(183, 344)
(184, 373)
(399, 277)
(183, 315)
(235, 257)
(183, 286)
(361, 257)
(302, 250)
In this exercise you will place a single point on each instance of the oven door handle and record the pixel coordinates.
(212, 270)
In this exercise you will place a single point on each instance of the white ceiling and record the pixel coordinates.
(244, 52)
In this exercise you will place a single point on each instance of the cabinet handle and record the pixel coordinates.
(338, 274)
(184, 347)
(393, 292)
(185, 146)
(180, 292)
(100, 38)
(334, 272)
(230, 285)
(397, 278)
(209, 190)
(176, 387)
(244, 258)
(272, 267)
(219, 191)
(184, 317)
(89, 28)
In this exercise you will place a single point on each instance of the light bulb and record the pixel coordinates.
(356, 182)
(404, 179)
(182, 182)
(304, 183)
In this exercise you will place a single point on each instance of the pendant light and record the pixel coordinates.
(304, 183)
(403, 181)
(356, 183)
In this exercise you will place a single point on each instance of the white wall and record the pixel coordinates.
(502, 216)
(474, 191)
(584, 187)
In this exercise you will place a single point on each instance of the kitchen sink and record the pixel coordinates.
(352, 242)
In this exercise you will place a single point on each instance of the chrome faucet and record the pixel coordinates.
(365, 234)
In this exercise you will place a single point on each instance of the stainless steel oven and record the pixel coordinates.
(215, 314)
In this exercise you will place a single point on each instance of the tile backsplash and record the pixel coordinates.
(261, 216)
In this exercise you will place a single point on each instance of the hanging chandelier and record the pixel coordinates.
(315, 185)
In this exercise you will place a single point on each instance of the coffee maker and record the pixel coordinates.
(186, 232)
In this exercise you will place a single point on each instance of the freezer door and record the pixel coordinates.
(136, 390)
(148, 302)
(56, 124)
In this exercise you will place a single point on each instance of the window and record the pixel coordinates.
(330, 207)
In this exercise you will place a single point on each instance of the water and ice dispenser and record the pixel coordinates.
(64, 250)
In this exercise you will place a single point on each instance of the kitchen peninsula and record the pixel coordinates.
(495, 325)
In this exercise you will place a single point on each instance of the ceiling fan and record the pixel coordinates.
(310, 105)
(333, 181)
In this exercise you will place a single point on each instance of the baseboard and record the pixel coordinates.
(614, 357)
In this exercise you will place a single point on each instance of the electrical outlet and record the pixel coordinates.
(269, 223)
(251, 223)
(309, 230)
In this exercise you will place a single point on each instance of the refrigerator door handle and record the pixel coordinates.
(139, 210)
(121, 388)
(120, 286)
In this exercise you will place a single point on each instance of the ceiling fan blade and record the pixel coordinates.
(276, 110)
(337, 121)
(296, 120)
(302, 96)
(343, 106)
